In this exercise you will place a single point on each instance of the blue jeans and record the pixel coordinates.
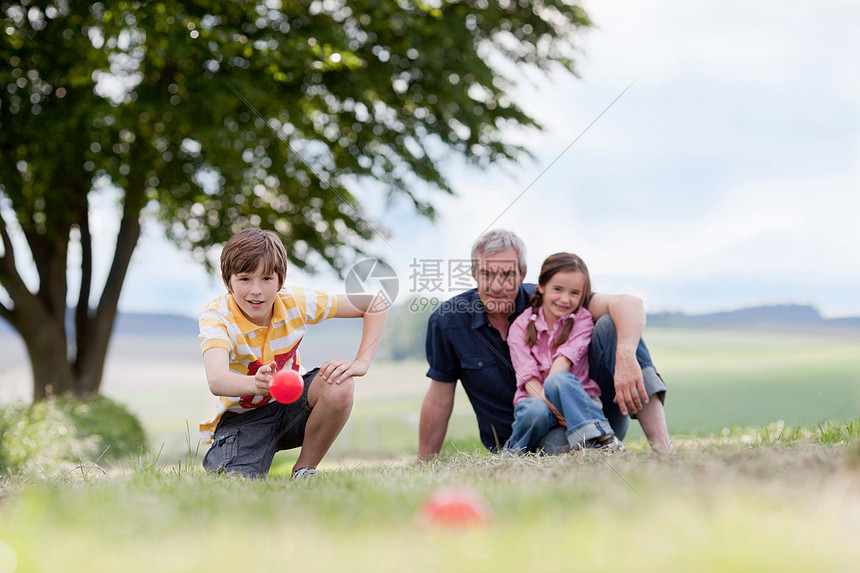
(246, 443)
(533, 419)
(601, 361)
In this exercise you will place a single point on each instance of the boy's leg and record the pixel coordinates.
(652, 417)
(332, 404)
(585, 420)
(532, 419)
(245, 443)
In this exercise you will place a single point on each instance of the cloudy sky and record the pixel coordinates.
(727, 175)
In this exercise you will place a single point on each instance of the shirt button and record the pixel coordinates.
(480, 364)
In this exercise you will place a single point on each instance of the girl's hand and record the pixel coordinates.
(555, 412)
(337, 370)
(263, 377)
(535, 389)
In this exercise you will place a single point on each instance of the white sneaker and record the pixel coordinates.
(303, 473)
(613, 444)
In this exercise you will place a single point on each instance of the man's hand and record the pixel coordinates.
(629, 385)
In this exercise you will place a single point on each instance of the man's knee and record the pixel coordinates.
(604, 332)
(655, 387)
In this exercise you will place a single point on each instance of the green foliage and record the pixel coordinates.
(225, 114)
(215, 116)
(40, 439)
(116, 426)
(53, 435)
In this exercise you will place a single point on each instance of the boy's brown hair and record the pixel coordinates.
(245, 250)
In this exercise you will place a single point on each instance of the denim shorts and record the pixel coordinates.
(246, 443)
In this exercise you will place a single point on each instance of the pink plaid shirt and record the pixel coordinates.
(536, 361)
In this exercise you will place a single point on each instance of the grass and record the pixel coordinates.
(765, 479)
(720, 504)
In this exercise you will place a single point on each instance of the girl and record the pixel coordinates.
(549, 350)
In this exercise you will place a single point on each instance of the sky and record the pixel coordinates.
(727, 175)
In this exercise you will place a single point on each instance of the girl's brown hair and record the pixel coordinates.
(554, 264)
(245, 250)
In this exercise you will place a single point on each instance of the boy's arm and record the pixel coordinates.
(628, 315)
(373, 326)
(224, 382)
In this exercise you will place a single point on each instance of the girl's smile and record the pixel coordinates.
(562, 294)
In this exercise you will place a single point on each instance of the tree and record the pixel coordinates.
(210, 116)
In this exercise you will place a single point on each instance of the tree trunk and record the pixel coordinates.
(52, 373)
(40, 318)
(44, 335)
(94, 332)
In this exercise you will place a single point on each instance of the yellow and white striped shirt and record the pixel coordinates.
(223, 325)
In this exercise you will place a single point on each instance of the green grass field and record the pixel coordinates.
(775, 506)
(765, 478)
(723, 379)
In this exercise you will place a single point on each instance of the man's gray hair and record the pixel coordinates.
(498, 240)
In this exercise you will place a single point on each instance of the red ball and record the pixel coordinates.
(286, 386)
(456, 507)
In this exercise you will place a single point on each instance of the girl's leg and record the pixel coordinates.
(532, 420)
(585, 420)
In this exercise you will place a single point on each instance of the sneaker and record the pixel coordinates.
(303, 473)
(613, 444)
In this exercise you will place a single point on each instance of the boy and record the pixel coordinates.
(252, 332)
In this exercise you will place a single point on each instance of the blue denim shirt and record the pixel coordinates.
(462, 345)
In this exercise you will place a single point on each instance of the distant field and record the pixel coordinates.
(717, 379)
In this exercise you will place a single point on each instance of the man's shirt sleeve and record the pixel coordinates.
(443, 360)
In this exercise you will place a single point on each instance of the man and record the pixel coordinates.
(466, 341)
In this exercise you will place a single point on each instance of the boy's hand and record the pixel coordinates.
(337, 370)
(263, 377)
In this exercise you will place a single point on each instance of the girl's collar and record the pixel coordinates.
(540, 320)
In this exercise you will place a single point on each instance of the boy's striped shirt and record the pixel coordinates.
(223, 325)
